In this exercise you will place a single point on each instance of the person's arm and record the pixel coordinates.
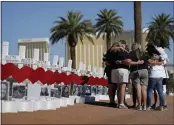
(166, 62)
(139, 61)
(107, 63)
(126, 61)
(114, 49)
(153, 62)
(134, 63)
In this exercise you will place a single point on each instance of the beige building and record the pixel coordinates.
(35, 43)
(92, 54)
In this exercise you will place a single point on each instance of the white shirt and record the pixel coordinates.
(160, 71)
(157, 71)
(164, 57)
(163, 54)
(166, 74)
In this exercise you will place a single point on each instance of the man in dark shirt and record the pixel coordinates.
(109, 61)
(120, 72)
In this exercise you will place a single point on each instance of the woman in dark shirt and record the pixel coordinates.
(139, 74)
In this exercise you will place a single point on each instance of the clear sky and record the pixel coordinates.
(22, 20)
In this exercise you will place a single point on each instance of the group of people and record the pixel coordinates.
(145, 70)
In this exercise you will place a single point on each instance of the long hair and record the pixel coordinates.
(151, 49)
(127, 48)
(137, 48)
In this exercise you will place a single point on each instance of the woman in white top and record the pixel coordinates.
(155, 80)
(165, 59)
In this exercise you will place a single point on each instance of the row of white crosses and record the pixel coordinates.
(97, 71)
(58, 62)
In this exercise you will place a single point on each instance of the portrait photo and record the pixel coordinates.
(93, 90)
(88, 90)
(18, 91)
(84, 90)
(99, 90)
(4, 88)
(65, 91)
(44, 91)
(59, 89)
(55, 93)
(77, 90)
(104, 90)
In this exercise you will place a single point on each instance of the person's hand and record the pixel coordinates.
(140, 62)
(118, 62)
(107, 63)
(121, 48)
(128, 60)
(165, 64)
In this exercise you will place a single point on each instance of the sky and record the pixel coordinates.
(23, 20)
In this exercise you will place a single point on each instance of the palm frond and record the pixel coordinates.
(107, 22)
(73, 27)
(161, 30)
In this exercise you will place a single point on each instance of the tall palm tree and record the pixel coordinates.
(73, 28)
(161, 29)
(108, 25)
(137, 22)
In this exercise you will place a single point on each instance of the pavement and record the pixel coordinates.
(95, 113)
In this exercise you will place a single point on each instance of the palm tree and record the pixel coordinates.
(137, 22)
(73, 28)
(108, 25)
(161, 29)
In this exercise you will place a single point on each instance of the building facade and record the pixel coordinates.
(92, 54)
(5, 49)
(35, 43)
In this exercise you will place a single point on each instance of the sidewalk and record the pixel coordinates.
(93, 114)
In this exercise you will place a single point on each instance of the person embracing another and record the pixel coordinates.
(120, 72)
(155, 79)
(165, 59)
(139, 74)
(109, 61)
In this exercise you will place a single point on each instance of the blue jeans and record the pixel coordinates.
(155, 83)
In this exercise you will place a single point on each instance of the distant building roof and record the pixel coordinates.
(33, 40)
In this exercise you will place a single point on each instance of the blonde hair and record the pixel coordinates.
(138, 50)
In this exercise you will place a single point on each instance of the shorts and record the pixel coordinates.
(108, 70)
(120, 76)
(140, 77)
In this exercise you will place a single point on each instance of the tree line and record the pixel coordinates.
(109, 25)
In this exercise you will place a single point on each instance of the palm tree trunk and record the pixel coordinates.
(73, 56)
(137, 22)
(108, 41)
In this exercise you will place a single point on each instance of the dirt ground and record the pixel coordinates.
(97, 113)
